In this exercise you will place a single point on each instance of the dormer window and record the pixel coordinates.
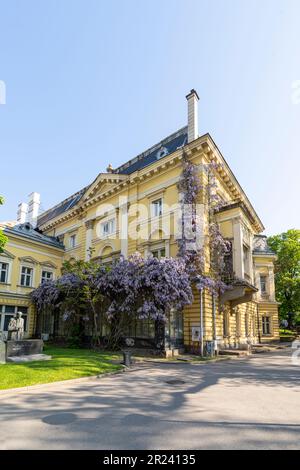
(162, 153)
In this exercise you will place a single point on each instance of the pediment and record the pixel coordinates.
(28, 259)
(7, 254)
(104, 182)
(48, 264)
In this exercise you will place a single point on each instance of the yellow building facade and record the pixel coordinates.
(135, 208)
(28, 259)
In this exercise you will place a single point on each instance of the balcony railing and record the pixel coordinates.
(240, 290)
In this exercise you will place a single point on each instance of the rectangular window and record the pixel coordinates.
(26, 276)
(9, 309)
(161, 253)
(72, 241)
(8, 312)
(157, 208)
(108, 227)
(3, 272)
(266, 325)
(263, 284)
(47, 276)
(246, 259)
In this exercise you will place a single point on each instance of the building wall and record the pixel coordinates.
(23, 252)
(106, 200)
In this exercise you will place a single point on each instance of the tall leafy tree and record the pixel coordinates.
(287, 273)
(3, 238)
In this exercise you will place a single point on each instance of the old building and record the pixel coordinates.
(29, 258)
(135, 208)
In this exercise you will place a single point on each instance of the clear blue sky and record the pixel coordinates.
(92, 82)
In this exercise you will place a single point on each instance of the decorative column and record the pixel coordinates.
(167, 247)
(271, 283)
(123, 226)
(257, 281)
(147, 251)
(251, 265)
(89, 226)
(238, 256)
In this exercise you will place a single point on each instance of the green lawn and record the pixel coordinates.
(286, 332)
(65, 364)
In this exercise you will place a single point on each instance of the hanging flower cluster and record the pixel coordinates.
(147, 288)
(218, 245)
(188, 250)
(194, 258)
(137, 287)
(189, 184)
(46, 295)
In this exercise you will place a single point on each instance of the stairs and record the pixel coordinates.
(234, 352)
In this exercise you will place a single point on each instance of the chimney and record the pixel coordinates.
(192, 99)
(33, 208)
(22, 212)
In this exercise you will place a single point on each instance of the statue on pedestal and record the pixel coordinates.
(12, 328)
(20, 326)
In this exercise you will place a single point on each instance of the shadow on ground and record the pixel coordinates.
(244, 403)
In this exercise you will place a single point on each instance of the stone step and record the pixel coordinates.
(28, 358)
(233, 352)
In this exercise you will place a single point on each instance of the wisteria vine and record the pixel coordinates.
(190, 188)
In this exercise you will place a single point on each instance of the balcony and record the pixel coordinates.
(239, 290)
(265, 297)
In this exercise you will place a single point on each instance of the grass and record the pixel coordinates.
(286, 332)
(65, 364)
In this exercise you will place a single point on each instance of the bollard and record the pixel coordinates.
(127, 358)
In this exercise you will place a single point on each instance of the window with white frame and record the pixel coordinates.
(159, 253)
(72, 241)
(7, 312)
(108, 227)
(263, 284)
(4, 272)
(157, 207)
(266, 325)
(46, 276)
(26, 276)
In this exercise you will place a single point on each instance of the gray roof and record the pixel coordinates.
(64, 206)
(165, 147)
(28, 232)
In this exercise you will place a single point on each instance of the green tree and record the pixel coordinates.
(287, 273)
(90, 298)
(3, 238)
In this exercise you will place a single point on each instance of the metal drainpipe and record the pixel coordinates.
(258, 324)
(201, 323)
(214, 321)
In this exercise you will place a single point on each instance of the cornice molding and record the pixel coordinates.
(28, 259)
(48, 264)
(7, 254)
(203, 144)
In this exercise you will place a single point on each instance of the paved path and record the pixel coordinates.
(237, 404)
